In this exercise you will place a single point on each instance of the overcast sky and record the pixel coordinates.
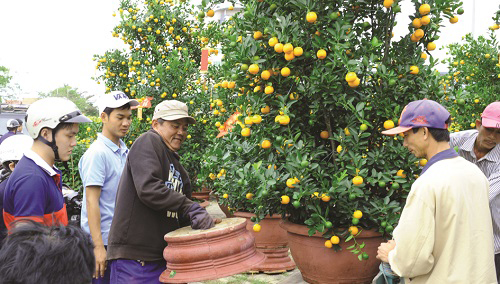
(47, 44)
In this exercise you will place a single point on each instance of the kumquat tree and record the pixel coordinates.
(164, 40)
(307, 87)
(473, 81)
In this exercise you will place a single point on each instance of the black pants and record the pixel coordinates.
(497, 264)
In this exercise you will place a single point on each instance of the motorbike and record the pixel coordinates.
(73, 200)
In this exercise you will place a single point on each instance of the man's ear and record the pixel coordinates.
(425, 132)
(104, 116)
(154, 124)
(478, 124)
(46, 133)
(12, 165)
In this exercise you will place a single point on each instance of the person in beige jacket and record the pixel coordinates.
(445, 234)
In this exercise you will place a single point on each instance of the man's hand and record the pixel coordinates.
(100, 261)
(199, 217)
(384, 249)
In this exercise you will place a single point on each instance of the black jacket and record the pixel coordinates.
(153, 193)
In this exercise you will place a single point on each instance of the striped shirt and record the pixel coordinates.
(490, 166)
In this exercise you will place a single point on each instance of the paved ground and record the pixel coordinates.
(291, 277)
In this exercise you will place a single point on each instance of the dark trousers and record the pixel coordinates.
(105, 279)
(497, 264)
(136, 272)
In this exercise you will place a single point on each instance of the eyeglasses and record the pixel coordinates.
(69, 116)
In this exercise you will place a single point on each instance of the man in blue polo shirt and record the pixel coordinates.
(100, 169)
(34, 189)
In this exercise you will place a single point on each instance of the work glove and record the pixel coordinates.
(199, 217)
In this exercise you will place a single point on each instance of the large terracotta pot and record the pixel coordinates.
(272, 241)
(204, 194)
(319, 264)
(199, 255)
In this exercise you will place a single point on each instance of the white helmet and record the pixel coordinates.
(13, 148)
(49, 112)
(12, 123)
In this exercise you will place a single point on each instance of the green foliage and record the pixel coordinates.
(162, 62)
(81, 100)
(4, 76)
(473, 80)
(316, 97)
(4, 80)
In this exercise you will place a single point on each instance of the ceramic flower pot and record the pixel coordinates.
(272, 241)
(199, 255)
(319, 264)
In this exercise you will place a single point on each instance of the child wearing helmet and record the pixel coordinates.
(33, 190)
(11, 151)
(12, 126)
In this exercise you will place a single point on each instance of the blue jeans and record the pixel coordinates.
(136, 272)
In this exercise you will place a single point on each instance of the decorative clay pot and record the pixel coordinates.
(319, 264)
(199, 255)
(272, 241)
(204, 194)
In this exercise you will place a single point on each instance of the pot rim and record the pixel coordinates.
(249, 215)
(298, 229)
(206, 234)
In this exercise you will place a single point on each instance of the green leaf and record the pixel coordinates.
(311, 232)
(257, 165)
(360, 106)
(309, 222)
(348, 239)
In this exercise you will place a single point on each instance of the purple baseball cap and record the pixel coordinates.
(422, 113)
(491, 116)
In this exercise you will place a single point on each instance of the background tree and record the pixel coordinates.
(4, 76)
(81, 100)
(4, 81)
(162, 61)
(473, 81)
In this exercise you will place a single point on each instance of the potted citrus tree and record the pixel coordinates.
(474, 72)
(307, 88)
(161, 59)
